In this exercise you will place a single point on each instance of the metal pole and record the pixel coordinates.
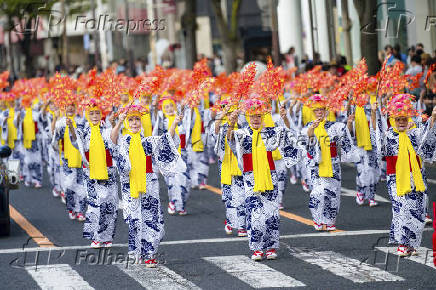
(275, 32)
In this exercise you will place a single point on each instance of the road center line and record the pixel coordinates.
(33, 232)
(283, 213)
(213, 240)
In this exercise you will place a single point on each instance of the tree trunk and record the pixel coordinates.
(368, 38)
(25, 48)
(230, 48)
(346, 27)
(189, 19)
(11, 51)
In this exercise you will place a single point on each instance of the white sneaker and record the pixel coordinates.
(63, 199)
(372, 203)
(72, 215)
(183, 212)
(242, 233)
(80, 217)
(293, 179)
(360, 198)
(317, 227)
(257, 256)
(228, 229)
(95, 244)
(26, 183)
(151, 263)
(403, 251)
(427, 220)
(281, 206)
(305, 186)
(330, 228)
(55, 193)
(171, 208)
(271, 254)
(107, 244)
(37, 184)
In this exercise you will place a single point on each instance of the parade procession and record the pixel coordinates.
(260, 170)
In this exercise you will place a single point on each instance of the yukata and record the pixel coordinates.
(233, 194)
(368, 168)
(9, 120)
(408, 211)
(179, 184)
(197, 153)
(144, 214)
(53, 161)
(262, 208)
(32, 154)
(325, 196)
(102, 195)
(72, 180)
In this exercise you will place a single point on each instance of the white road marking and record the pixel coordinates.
(352, 193)
(158, 278)
(255, 274)
(425, 255)
(345, 267)
(60, 276)
(214, 240)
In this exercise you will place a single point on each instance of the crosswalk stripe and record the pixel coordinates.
(157, 278)
(352, 193)
(255, 274)
(59, 276)
(424, 257)
(343, 266)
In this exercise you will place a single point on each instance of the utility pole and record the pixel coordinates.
(346, 27)
(275, 32)
(96, 37)
(150, 15)
(311, 29)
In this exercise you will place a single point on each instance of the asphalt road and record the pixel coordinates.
(196, 252)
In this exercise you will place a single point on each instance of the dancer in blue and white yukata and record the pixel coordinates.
(72, 181)
(324, 162)
(253, 146)
(179, 185)
(139, 160)
(405, 147)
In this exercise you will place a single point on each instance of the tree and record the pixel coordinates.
(230, 41)
(368, 38)
(190, 24)
(23, 18)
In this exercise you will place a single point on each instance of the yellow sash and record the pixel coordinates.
(261, 169)
(362, 129)
(307, 114)
(406, 156)
(97, 155)
(12, 131)
(325, 166)
(146, 124)
(331, 117)
(71, 154)
(138, 167)
(229, 167)
(197, 143)
(28, 129)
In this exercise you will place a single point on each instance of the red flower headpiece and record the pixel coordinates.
(401, 105)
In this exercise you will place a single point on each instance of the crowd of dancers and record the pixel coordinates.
(104, 133)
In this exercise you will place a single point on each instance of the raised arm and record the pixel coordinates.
(71, 129)
(115, 133)
(233, 120)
